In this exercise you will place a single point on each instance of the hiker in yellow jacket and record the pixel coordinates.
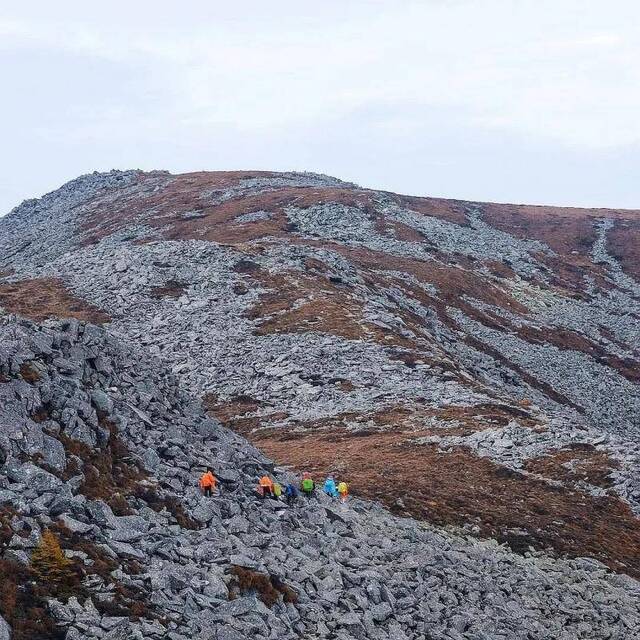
(343, 491)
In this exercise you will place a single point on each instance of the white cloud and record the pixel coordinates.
(558, 76)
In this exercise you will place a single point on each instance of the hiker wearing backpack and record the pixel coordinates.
(290, 493)
(308, 486)
(330, 487)
(208, 482)
(267, 486)
(343, 490)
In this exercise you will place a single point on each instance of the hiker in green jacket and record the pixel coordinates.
(307, 485)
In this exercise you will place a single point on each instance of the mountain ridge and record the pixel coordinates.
(469, 364)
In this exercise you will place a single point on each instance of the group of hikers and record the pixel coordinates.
(269, 488)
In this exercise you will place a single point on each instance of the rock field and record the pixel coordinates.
(472, 367)
(355, 570)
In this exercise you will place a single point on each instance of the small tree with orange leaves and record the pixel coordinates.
(48, 563)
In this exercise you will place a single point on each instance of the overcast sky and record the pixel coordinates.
(514, 101)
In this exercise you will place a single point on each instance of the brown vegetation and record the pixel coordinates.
(623, 243)
(451, 280)
(571, 232)
(226, 410)
(267, 588)
(23, 604)
(127, 600)
(112, 474)
(567, 339)
(43, 298)
(171, 289)
(578, 463)
(29, 373)
(451, 210)
(564, 229)
(184, 207)
(296, 301)
(459, 488)
(149, 494)
(165, 208)
(24, 589)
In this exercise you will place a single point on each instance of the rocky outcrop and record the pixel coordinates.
(467, 364)
(155, 559)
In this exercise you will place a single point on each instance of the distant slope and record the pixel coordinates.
(469, 363)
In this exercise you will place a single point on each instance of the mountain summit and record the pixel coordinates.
(471, 369)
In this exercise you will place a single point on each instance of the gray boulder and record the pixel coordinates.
(101, 401)
(75, 526)
(5, 630)
(35, 478)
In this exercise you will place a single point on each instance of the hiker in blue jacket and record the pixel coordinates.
(290, 493)
(330, 487)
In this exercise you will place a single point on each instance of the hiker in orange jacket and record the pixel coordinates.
(208, 482)
(266, 484)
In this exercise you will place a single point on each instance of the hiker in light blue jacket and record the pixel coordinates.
(330, 487)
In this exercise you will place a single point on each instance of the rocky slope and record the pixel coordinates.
(102, 447)
(468, 364)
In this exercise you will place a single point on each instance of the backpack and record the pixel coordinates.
(290, 490)
(307, 485)
(277, 490)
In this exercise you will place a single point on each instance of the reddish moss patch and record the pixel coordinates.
(43, 298)
(574, 464)
(398, 230)
(571, 232)
(236, 406)
(564, 229)
(451, 210)
(623, 243)
(452, 281)
(459, 488)
(172, 289)
(298, 301)
(268, 588)
(29, 373)
(233, 412)
(345, 385)
(182, 208)
(572, 340)
(500, 269)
